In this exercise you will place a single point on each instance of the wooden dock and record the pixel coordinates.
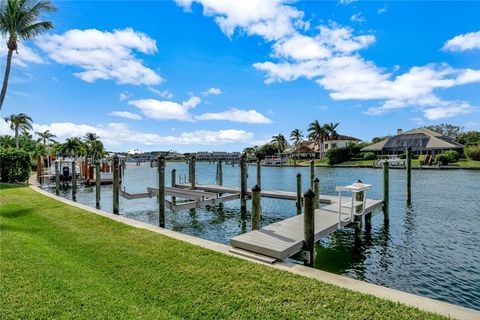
(284, 239)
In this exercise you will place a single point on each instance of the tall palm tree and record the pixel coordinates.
(296, 136)
(332, 130)
(317, 133)
(279, 142)
(46, 137)
(19, 19)
(19, 122)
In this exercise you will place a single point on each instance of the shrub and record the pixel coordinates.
(473, 152)
(337, 155)
(14, 165)
(403, 155)
(452, 156)
(441, 158)
(369, 156)
(422, 158)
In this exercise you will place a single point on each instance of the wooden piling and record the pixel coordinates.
(368, 222)
(57, 179)
(386, 191)
(298, 204)
(312, 173)
(116, 185)
(39, 168)
(309, 227)
(409, 176)
(74, 182)
(174, 183)
(256, 208)
(259, 173)
(316, 190)
(192, 177)
(219, 173)
(97, 184)
(243, 183)
(161, 191)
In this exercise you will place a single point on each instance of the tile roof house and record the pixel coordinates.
(421, 140)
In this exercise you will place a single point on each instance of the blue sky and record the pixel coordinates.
(222, 75)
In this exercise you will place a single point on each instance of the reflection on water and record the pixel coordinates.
(431, 248)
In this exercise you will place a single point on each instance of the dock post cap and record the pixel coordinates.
(161, 157)
(316, 179)
(309, 194)
(256, 188)
(299, 175)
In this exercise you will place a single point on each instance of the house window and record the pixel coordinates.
(334, 145)
(326, 146)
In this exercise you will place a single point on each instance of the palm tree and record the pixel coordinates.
(19, 19)
(317, 133)
(331, 130)
(279, 142)
(73, 146)
(7, 141)
(19, 122)
(296, 136)
(45, 137)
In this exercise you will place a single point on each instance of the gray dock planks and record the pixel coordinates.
(283, 239)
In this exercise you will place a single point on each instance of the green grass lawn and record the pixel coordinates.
(466, 163)
(58, 261)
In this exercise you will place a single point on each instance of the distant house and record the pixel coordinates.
(172, 155)
(421, 140)
(309, 148)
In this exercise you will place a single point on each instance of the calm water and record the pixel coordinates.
(431, 249)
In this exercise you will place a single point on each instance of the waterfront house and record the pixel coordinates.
(308, 149)
(421, 140)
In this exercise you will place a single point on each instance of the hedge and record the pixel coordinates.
(14, 165)
(473, 152)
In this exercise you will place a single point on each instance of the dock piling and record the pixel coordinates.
(409, 176)
(316, 190)
(97, 184)
(161, 191)
(116, 185)
(357, 220)
(309, 227)
(74, 181)
(174, 183)
(192, 172)
(259, 173)
(219, 173)
(57, 179)
(256, 207)
(298, 204)
(243, 183)
(312, 173)
(386, 191)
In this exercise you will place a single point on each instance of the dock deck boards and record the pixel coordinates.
(283, 239)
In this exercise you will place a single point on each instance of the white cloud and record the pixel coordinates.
(382, 10)
(213, 91)
(448, 110)
(346, 2)
(271, 19)
(236, 115)
(166, 110)
(114, 134)
(123, 96)
(161, 93)
(103, 55)
(357, 17)
(23, 56)
(125, 114)
(463, 42)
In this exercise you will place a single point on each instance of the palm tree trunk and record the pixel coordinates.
(16, 138)
(5, 78)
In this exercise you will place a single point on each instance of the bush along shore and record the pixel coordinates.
(60, 261)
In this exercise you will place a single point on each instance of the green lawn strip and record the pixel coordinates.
(59, 261)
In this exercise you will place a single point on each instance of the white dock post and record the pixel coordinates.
(357, 221)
